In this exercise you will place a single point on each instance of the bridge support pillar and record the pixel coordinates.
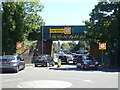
(44, 47)
(94, 51)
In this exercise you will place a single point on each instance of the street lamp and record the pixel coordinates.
(42, 38)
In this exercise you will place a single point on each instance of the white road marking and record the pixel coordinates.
(89, 81)
(8, 80)
(45, 84)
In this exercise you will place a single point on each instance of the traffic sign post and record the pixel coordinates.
(19, 46)
(102, 46)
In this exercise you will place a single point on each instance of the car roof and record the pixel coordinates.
(9, 55)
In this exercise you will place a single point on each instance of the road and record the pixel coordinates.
(67, 76)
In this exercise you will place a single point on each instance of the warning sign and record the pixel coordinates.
(67, 30)
(19, 45)
(102, 46)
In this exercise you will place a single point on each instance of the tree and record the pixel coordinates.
(84, 44)
(19, 20)
(72, 45)
(55, 47)
(65, 46)
(103, 25)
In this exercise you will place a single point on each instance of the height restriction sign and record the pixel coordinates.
(19, 45)
(102, 46)
(67, 30)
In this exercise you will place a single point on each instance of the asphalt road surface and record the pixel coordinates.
(67, 76)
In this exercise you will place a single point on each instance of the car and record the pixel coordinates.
(70, 57)
(44, 60)
(63, 59)
(12, 62)
(75, 58)
(86, 62)
(73, 54)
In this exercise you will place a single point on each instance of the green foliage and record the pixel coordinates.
(84, 44)
(104, 26)
(55, 44)
(19, 20)
(65, 44)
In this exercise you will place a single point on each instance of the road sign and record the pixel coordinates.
(19, 45)
(56, 30)
(82, 50)
(102, 46)
(67, 30)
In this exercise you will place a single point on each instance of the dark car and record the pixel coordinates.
(44, 60)
(75, 58)
(69, 57)
(86, 62)
(10, 62)
(63, 59)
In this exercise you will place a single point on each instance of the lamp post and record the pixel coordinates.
(42, 38)
(59, 46)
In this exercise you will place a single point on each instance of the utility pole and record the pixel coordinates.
(42, 39)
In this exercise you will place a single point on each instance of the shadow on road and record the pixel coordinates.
(110, 69)
(69, 68)
(72, 69)
(7, 72)
(78, 69)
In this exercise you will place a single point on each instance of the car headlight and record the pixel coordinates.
(85, 63)
(96, 62)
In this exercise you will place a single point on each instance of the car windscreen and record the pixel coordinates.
(8, 58)
(88, 58)
(42, 57)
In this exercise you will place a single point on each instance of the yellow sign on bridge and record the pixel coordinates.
(66, 30)
(56, 30)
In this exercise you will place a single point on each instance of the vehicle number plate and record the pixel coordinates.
(92, 65)
(5, 64)
(40, 60)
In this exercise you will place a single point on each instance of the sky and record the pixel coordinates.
(67, 12)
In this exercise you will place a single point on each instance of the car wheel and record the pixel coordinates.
(36, 65)
(78, 66)
(96, 68)
(17, 69)
(82, 67)
(23, 68)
